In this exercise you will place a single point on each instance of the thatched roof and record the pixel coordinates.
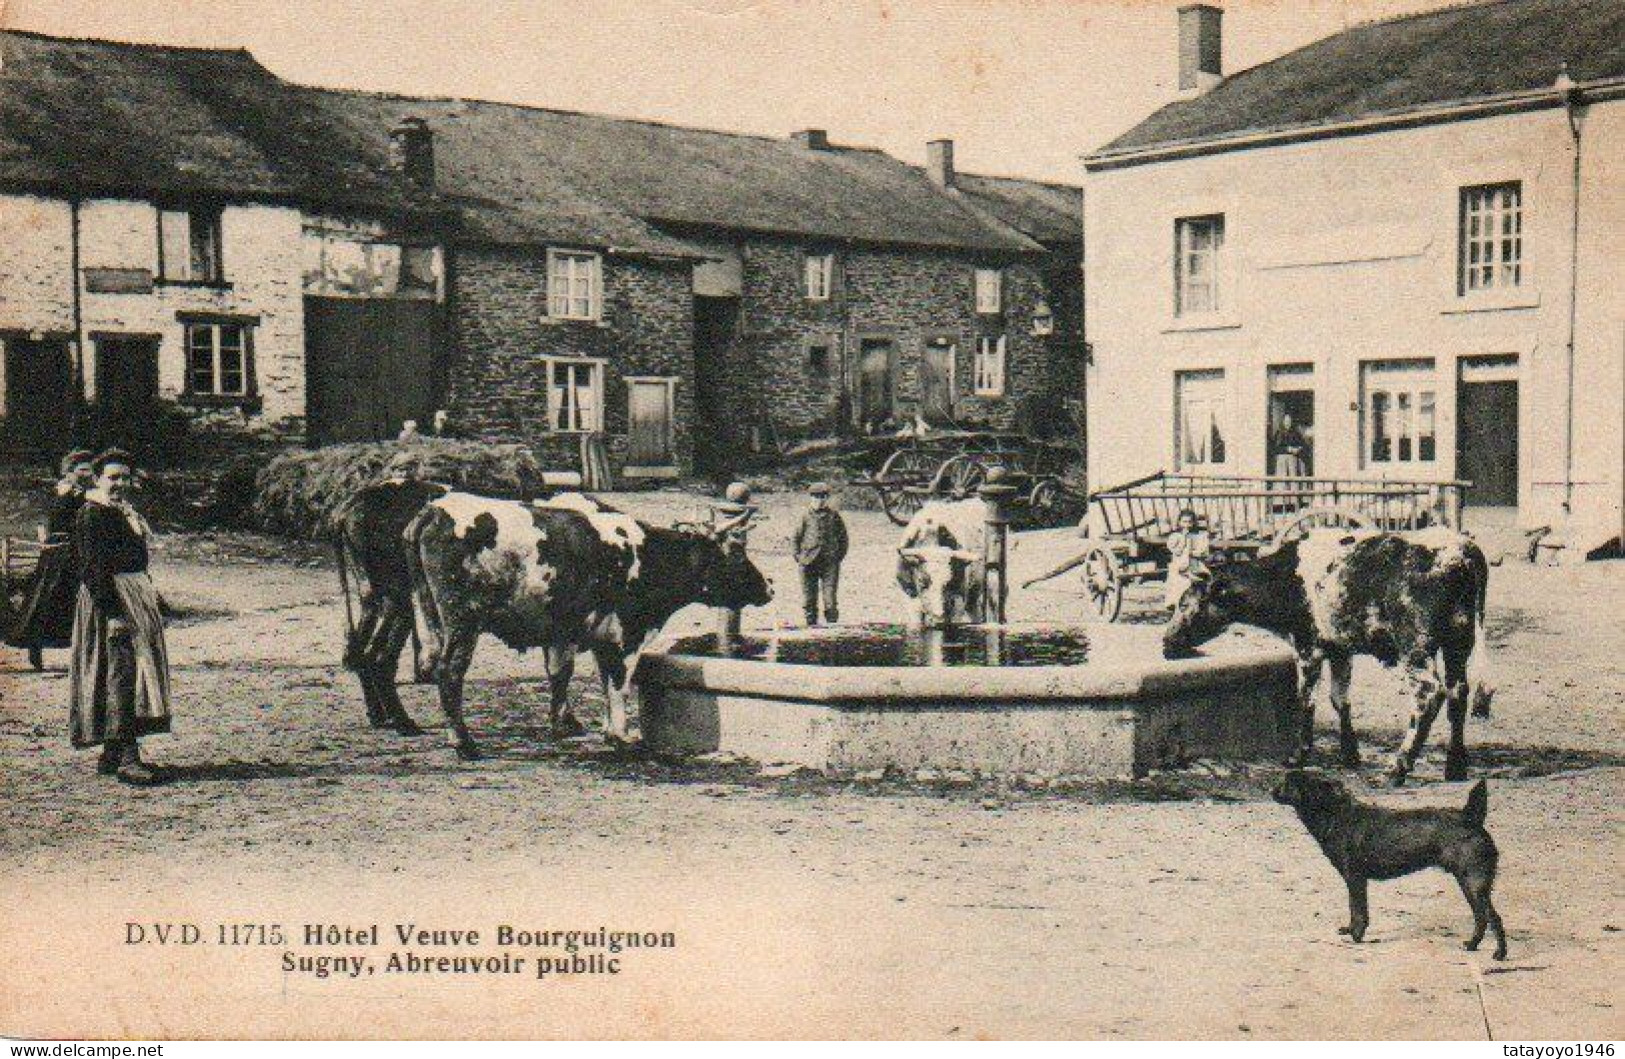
(107, 117)
(529, 174)
(1049, 213)
(1438, 57)
(112, 118)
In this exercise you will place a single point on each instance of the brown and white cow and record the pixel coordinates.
(565, 576)
(1414, 599)
(941, 562)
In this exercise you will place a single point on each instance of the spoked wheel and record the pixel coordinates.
(1103, 583)
(1319, 518)
(960, 477)
(1045, 502)
(903, 469)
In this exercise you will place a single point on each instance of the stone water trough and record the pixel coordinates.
(998, 700)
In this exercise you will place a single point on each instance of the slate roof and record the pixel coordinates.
(102, 116)
(1397, 65)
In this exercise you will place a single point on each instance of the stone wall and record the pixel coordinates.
(910, 297)
(498, 381)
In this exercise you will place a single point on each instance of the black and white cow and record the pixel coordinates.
(942, 565)
(1415, 600)
(567, 575)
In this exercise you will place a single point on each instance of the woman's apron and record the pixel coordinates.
(120, 688)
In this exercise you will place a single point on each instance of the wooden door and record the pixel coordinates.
(39, 393)
(1487, 441)
(875, 391)
(937, 382)
(649, 423)
(127, 378)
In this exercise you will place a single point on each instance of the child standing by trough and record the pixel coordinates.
(820, 543)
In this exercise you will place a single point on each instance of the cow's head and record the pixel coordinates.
(1209, 606)
(935, 576)
(727, 577)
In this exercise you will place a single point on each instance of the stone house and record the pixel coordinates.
(693, 294)
(1421, 271)
(162, 247)
(542, 275)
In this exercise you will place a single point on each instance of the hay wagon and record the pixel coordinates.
(952, 465)
(1128, 525)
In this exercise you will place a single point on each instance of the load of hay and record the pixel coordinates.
(305, 494)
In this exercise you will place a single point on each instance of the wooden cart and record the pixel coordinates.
(952, 465)
(1128, 525)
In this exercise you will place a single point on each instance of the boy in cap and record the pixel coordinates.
(820, 544)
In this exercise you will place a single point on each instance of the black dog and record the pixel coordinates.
(1365, 842)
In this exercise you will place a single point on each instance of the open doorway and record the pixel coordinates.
(877, 364)
(1290, 447)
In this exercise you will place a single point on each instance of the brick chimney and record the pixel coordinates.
(939, 162)
(812, 139)
(411, 151)
(1200, 63)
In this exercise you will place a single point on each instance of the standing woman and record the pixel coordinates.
(120, 672)
(46, 618)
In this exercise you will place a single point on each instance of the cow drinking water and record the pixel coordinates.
(1414, 600)
(566, 576)
(941, 562)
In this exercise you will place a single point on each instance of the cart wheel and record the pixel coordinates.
(901, 504)
(1044, 502)
(903, 468)
(960, 477)
(36, 657)
(1317, 518)
(1103, 583)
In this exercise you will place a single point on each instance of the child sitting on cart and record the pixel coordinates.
(1188, 549)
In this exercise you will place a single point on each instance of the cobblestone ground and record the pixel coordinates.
(1185, 905)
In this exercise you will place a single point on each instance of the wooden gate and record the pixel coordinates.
(370, 365)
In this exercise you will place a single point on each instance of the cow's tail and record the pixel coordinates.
(1477, 809)
(426, 619)
(1479, 682)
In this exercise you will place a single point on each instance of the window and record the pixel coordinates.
(818, 360)
(217, 360)
(189, 246)
(574, 285)
(989, 290)
(1201, 423)
(575, 395)
(1491, 244)
(990, 366)
(818, 277)
(1400, 413)
(1199, 241)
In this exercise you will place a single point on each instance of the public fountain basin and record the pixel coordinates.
(865, 698)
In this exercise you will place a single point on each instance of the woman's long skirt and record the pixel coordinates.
(46, 617)
(120, 684)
